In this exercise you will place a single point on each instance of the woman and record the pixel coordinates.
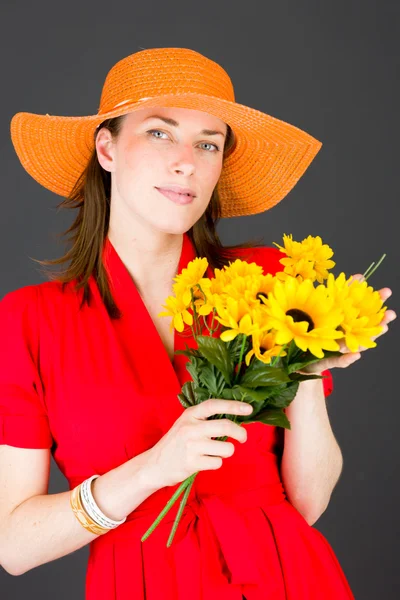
(88, 369)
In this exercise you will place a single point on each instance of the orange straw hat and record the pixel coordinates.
(268, 157)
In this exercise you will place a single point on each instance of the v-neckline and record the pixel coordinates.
(131, 303)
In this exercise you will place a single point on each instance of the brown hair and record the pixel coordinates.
(91, 195)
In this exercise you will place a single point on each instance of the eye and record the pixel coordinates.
(155, 131)
(151, 131)
(215, 146)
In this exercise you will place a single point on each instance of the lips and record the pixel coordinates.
(175, 196)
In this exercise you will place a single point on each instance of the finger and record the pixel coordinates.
(389, 316)
(358, 276)
(343, 348)
(343, 361)
(385, 293)
(385, 329)
(350, 358)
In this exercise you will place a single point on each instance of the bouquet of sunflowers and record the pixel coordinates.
(268, 328)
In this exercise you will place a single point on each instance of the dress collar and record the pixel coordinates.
(120, 278)
(136, 322)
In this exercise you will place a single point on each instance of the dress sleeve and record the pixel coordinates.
(327, 382)
(23, 417)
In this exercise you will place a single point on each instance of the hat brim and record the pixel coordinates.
(268, 158)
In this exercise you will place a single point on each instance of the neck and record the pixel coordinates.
(151, 261)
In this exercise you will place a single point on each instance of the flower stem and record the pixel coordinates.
(240, 359)
(194, 311)
(185, 486)
(168, 506)
(371, 269)
(181, 507)
(278, 355)
(210, 329)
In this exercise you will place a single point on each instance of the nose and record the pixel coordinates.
(184, 162)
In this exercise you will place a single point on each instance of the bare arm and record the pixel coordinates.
(312, 460)
(36, 528)
(43, 527)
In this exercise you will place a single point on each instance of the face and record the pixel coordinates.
(151, 153)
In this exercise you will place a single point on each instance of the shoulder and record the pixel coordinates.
(27, 294)
(30, 300)
(18, 301)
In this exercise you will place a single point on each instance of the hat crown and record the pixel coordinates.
(159, 71)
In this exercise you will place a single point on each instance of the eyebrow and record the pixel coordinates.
(174, 123)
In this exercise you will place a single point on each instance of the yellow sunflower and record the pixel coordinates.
(262, 338)
(241, 268)
(213, 292)
(191, 275)
(247, 287)
(177, 309)
(308, 315)
(236, 316)
(362, 309)
(308, 259)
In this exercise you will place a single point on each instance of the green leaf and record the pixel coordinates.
(212, 379)
(303, 359)
(201, 394)
(283, 397)
(184, 401)
(194, 368)
(270, 416)
(191, 352)
(293, 351)
(234, 347)
(188, 390)
(230, 394)
(259, 374)
(299, 377)
(187, 396)
(257, 394)
(279, 363)
(216, 352)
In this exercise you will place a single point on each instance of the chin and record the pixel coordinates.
(175, 227)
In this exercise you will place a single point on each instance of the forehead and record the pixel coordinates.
(183, 116)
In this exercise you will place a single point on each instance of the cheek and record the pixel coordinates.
(137, 166)
(208, 167)
(213, 174)
(132, 156)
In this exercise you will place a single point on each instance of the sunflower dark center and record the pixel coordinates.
(299, 315)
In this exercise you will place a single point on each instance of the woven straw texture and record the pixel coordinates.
(267, 160)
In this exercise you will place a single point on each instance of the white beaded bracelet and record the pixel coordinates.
(91, 507)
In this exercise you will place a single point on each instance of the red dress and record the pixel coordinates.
(98, 392)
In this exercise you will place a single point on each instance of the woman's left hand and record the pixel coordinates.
(348, 357)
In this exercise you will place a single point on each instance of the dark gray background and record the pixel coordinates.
(328, 68)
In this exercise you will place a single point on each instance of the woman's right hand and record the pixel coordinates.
(188, 446)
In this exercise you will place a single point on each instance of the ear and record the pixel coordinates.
(105, 149)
